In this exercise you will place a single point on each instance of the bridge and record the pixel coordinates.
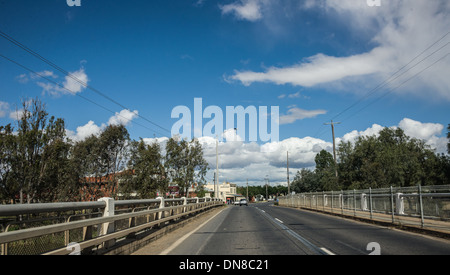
(356, 222)
(102, 227)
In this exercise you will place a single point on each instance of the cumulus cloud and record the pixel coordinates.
(244, 9)
(239, 161)
(123, 118)
(85, 131)
(73, 83)
(295, 114)
(4, 108)
(401, 30)
(76, 81)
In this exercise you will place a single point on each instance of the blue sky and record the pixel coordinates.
(313, 59)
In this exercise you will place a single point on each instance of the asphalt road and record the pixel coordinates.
(264, 229)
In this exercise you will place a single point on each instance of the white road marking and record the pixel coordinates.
(279, 220)
(327, 251)
(179, 241)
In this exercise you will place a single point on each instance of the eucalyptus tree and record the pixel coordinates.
(146, 172)
(185, 163)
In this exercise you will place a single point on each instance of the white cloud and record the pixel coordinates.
(4, 108)
(244, 9)
(123, 118)
(85, 131)
(76, 82)
(316, 70)
(239, 161)
(401, 30)
(295, 114)
(420, 130)
(353, 135)
(16, 115)
(429, 132)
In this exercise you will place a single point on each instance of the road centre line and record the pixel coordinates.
(312, 247)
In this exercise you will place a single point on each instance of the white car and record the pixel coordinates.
(243, 202)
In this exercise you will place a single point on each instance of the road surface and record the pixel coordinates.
(264, 229)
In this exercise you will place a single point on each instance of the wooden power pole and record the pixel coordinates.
(334, 145)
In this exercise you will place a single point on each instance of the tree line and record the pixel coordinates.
(255, 191)
(39, 163)
(390, 159)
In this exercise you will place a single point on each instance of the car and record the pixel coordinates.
(243, 202)
(237, 203)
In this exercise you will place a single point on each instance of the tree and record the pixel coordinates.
(185, 163)
(306, 181)
(146, 174)
(448, 137)
(34, 158)
(8, 152)
(113, 151)
(390, 159)
(325, 171)
(99, 159)
(56, 180)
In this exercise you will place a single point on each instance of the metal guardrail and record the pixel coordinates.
(88, 225)
(420, 206)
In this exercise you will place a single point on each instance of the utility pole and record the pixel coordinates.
(216, 182)
(334, 145)
(247, 191)
(267, 185)
(289, 187)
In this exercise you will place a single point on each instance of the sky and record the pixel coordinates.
(361, 65)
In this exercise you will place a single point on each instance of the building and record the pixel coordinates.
(225, 191)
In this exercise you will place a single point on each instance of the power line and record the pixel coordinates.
(403, 83)
(37, 55)
(72, 92)
(394, 77)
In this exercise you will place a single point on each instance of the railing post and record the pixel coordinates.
(161, 205)
(108, 228)
(332, 201)
(184, 203)
(370, 203)
(421, 206)
(400, 208)
(363, 202)
(392, 205)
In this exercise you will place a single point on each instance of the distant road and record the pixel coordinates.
(264, 229)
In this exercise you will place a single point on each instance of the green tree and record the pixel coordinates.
(113, 154)
(390, 159)
(35, 156)
(185, 163)
(325, 171)
(448, 137)
(306, 180)
(8, 151)
(99, 159)
(147, 173)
